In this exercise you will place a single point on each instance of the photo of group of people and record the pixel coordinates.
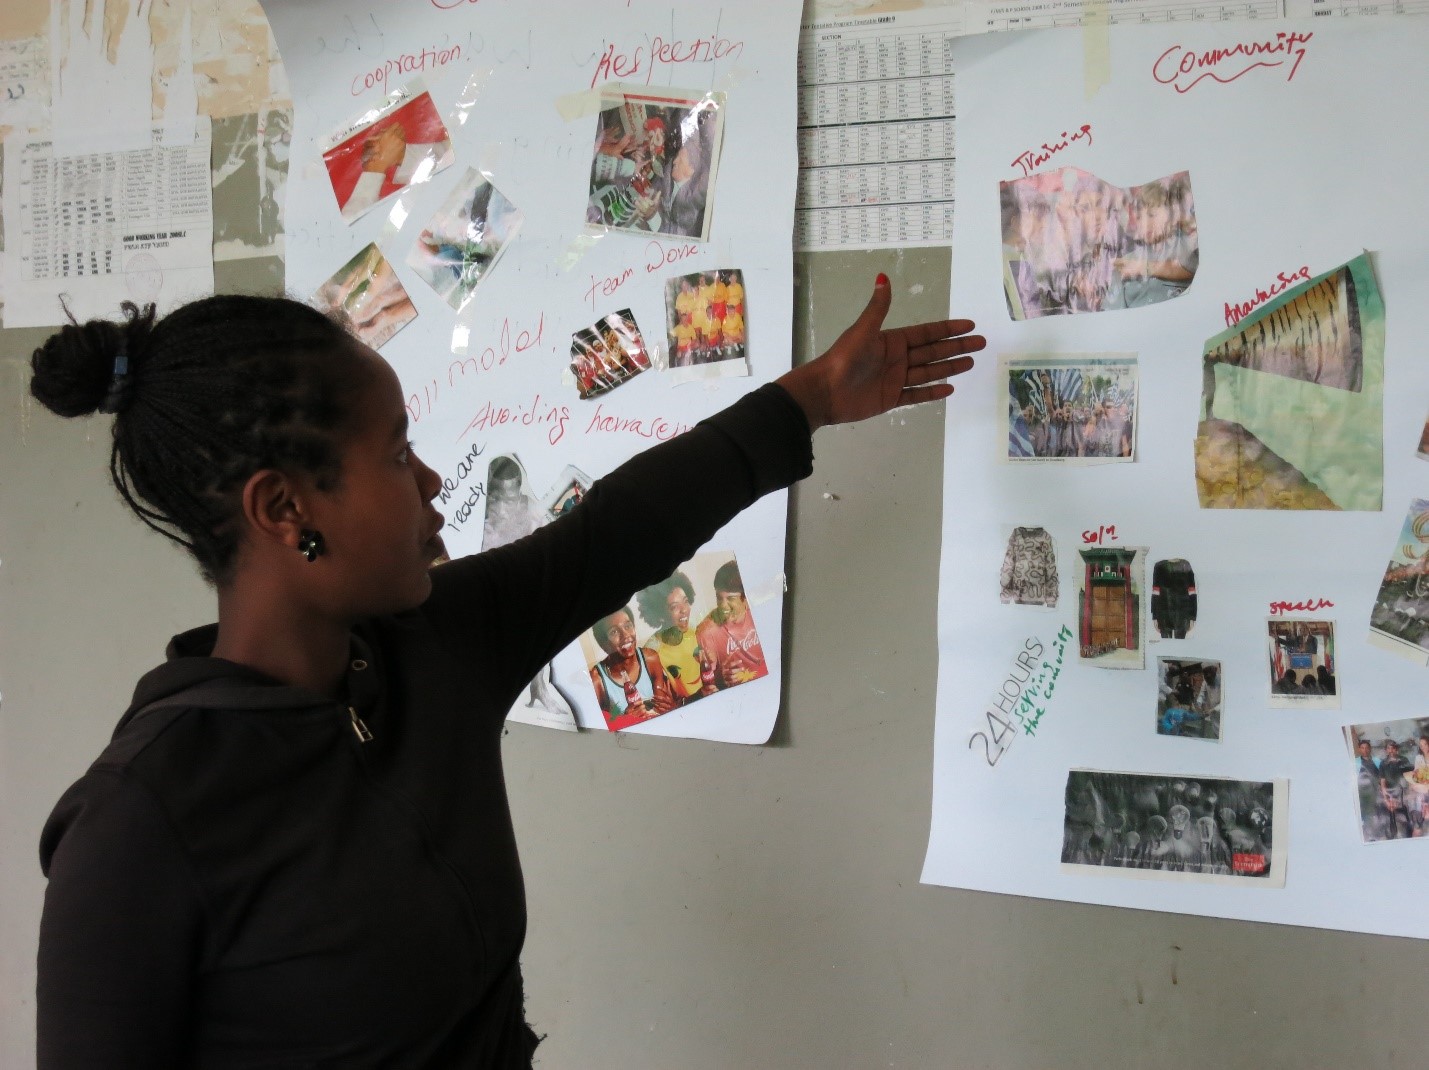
(1169, 827)
(655, 159)
(687, 637)
(1188, 698)
(386, 149)
(1399, 621)
(367, 297)
(1073, 243)
(1070, 409)
(608, 353)
(1392, 778)
(706, 322)
(1302, 664)
(462, 242)
(1292, 400)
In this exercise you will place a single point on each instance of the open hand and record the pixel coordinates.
(869, 370)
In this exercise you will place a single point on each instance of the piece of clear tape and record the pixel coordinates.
(455, 118)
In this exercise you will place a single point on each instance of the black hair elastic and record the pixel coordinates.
(117, 397)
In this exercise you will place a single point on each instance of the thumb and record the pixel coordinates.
(871, 318)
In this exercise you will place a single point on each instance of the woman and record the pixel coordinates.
(1418, 782)
(666, 607)
(297, 850)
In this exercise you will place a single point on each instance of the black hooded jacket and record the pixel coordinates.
(253, 875)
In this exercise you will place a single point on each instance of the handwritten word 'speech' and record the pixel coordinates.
(1183, 70)
(1032, 159)
(1310, 605)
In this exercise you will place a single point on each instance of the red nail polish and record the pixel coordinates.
(882, 279)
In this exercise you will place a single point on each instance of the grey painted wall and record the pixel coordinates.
(700, 905)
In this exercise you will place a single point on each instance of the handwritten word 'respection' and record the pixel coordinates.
(1032, 159)
(624, 62)
(1183, 69)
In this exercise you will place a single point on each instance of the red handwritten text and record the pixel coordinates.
(1100, 534)
(652, 427)
(538, 414)
(421, 402)
(406, 63)
(658, 255)
(1283, 282)
(607, 286)
(1032, 159)
(1307, 606)
(1179, 68)
(447, 5)
(615, 62)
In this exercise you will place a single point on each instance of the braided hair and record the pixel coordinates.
(216, 390)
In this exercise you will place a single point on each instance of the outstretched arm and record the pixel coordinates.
(870, 370)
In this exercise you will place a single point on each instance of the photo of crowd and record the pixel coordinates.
(607, 354)
(1399, 620)
(367, 297)
(386, 149)
(654, 162)
(1073, 243)
(1188, 698)
(706, 322)
(460, 244)
(1179, 827)
(1391, 764)
(1070, 408)
(1302, 664)
(688, 637)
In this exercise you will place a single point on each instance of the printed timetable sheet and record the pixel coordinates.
(105, 227)
(877, 107)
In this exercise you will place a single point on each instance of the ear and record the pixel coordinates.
(276, 508)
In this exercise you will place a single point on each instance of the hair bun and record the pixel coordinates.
(78, 369)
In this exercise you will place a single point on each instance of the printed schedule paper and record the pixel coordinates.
(107, 227)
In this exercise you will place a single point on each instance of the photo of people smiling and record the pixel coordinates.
(690, 636)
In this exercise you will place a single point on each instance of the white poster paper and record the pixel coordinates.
(1298, 161)
(519, 92)
(105, 227)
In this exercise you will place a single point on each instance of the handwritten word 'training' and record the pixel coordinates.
(1307, 606)
(1283, 282)
(615, 62)
(1032, 159)
(1178, 67)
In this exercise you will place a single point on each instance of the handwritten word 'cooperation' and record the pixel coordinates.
(1183, 70)
(1283, 282)
(1032, 159)
(406, 63)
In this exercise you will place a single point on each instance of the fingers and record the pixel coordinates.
(873, 313)
(920, 334)
(948, 347)
(919, 374)
(916, 395)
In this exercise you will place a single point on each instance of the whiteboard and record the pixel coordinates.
(518, 85)
(1296, 160)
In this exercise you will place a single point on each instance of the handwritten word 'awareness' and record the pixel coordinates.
(626, 64)
(1178, 68)
(1307, 606)
(1235, 313)
(1032, 159)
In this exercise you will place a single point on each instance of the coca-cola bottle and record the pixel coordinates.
(707, 673)
(634, 704)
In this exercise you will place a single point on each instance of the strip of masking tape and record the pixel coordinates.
(574, 106)
(1096, 46)
(767, 592)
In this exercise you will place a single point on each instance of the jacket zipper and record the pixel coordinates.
(359, 729)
